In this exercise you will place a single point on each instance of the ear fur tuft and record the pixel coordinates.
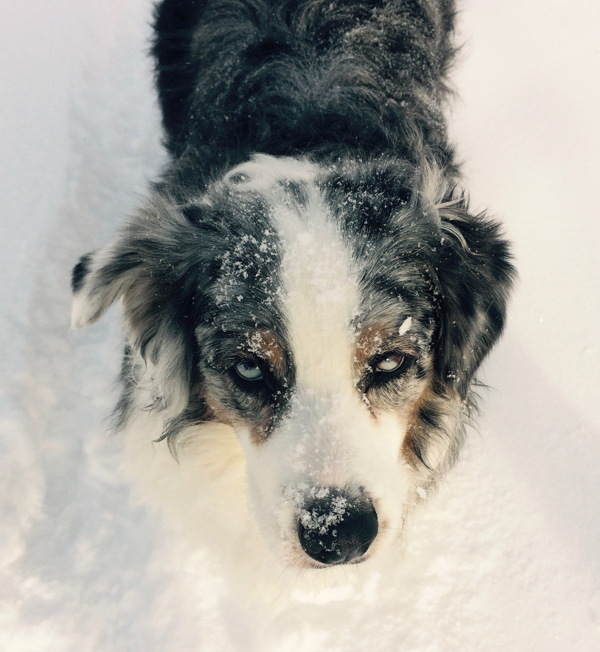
(80, 271)
(475, 275)
(97, 280)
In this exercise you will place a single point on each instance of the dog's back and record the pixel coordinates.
(290, 77)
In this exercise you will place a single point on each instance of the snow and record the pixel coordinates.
(503, 557)
(405, 326)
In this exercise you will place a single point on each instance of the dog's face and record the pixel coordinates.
(332, 317)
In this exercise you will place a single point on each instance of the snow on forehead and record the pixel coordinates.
(317, 264)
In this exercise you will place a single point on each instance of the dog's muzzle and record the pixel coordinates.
(337, 528)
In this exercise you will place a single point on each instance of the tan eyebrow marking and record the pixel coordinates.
(265, 345)
(368, 342)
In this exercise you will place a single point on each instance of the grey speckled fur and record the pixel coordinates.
(354, 89)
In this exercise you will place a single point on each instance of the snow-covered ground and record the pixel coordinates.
(505, 557)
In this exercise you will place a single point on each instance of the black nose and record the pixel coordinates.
(337, 528)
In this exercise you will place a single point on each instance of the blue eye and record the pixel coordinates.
(390, 362)
(248, 370)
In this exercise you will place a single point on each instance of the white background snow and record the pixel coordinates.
(505, 557)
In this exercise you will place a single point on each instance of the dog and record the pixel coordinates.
(306, 294)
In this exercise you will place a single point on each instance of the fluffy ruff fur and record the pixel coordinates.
(307, 297)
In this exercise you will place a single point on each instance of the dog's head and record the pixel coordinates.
(333, 317)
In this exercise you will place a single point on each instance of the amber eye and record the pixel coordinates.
(248, 370)
(390, 362)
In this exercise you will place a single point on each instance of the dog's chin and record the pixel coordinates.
(314, 565)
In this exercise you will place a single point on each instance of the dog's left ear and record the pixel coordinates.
(473, 274)
(147, 267)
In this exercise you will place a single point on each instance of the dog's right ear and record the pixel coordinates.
(98, 279)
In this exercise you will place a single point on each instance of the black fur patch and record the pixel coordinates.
(79, 273)
(297, 77)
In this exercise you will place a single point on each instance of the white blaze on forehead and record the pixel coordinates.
(319, 278)
(321, 296)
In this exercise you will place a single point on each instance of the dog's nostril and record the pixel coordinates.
(333, 535)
